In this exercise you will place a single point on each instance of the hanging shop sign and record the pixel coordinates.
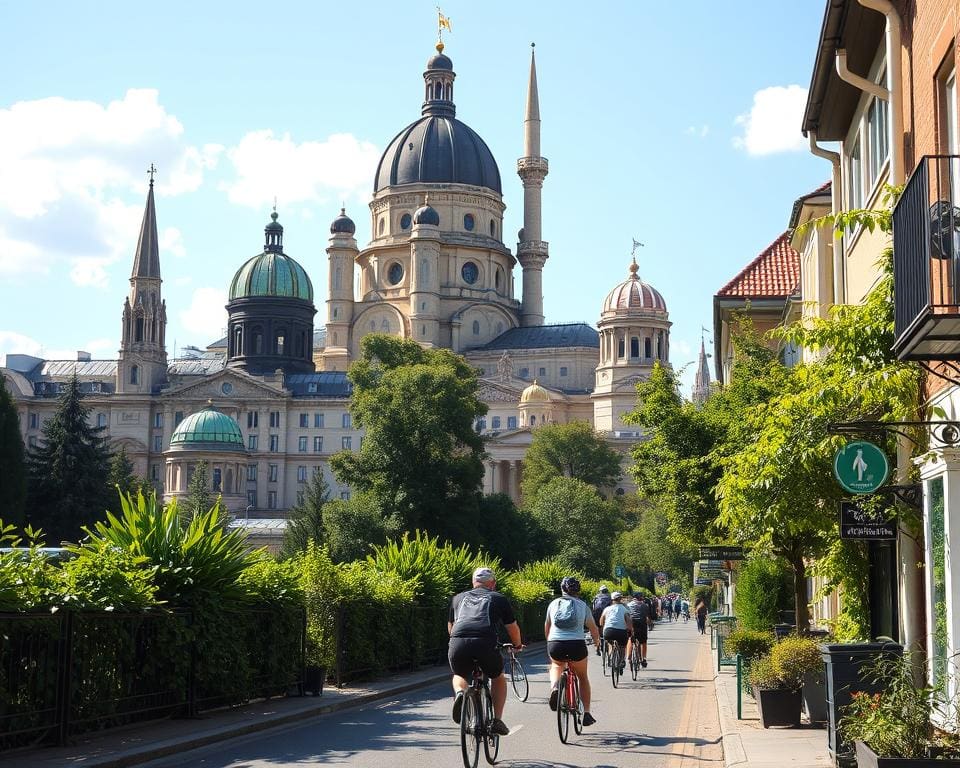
(721, 552)
(862, 524)
(861, 467)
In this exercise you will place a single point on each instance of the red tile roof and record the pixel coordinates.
(774, 273)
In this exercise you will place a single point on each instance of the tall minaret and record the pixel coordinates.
(341, 254)
(701, 382)
(532, 168)
(142, 364)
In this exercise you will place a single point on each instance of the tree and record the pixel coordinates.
(121, 473)
(578, 524)
(647, 548)
(13, 482)
(354, 526)
(306, 517)
(421, 458)
(506, 532)
(569, 450)
(198, 498)
(67, 473)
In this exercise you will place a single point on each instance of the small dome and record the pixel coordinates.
(534, 394)
(426, 215)
(634, 295)
(208, 429)
(439, 60)
(343, 224)
(271, 274)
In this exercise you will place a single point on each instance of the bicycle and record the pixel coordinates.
(604, 657)
(518, 677)
(635, 659)
(569, 703)
(616, 660)
(475, 719)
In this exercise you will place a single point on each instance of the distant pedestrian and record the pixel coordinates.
(700, 609)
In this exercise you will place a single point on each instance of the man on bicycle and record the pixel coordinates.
(616, 623)
(640, 613)
(567, 617)
(600, 602)
(472, 624)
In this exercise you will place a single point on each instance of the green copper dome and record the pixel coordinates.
(208, 428)
(272, 273)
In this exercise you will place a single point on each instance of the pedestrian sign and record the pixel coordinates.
(860, 467)
(619, 571)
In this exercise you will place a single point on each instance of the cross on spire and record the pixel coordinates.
(151, 170)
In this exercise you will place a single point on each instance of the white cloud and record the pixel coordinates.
(13, 343)
(171, 241)
(698, 131)
(70, 172)
(206, 316)
(312, 171)
(773, 122)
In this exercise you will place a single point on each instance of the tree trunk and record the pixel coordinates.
(800, 594)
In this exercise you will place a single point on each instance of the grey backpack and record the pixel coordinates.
(565, 616)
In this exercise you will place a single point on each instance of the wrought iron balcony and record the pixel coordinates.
(926, 262)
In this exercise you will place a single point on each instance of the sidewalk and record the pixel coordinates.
(148, 741)
(135, 744)
(747, 744)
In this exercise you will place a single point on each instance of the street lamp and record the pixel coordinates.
(246, 513)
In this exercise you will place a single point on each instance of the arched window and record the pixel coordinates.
(217, 479)
(533, 420)
(238, 341)
(337, 274)
(646, 348)
(135, 374)
(138, 329)
(493, 228)
(476, 327)
(279, 343)
(634, 346)
(621, 347)
(258, 341)
(423, 330)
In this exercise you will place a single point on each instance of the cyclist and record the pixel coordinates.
(676, 608)
(472, 625)
(616, 623)
(600, 602)
(685, 605)
(567, 617)
(640, 613)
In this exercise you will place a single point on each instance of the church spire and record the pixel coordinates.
(146, 262)
(701, 382)
(532, 251)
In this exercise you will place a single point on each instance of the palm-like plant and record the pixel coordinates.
(192, 560)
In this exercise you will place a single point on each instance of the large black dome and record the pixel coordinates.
(441, 150)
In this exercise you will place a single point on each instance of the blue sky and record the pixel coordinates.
(676, 123)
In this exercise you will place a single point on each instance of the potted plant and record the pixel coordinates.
(905, 725)
(778, 699)
(801, 655)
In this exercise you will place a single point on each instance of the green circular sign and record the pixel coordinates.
(861, 467)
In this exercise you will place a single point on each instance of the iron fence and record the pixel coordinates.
(72, 672)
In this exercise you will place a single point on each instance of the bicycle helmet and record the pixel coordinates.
(616, 596)
(570, 585)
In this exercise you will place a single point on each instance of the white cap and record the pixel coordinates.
(483, 574)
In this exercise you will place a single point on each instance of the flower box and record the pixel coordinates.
(867, 758)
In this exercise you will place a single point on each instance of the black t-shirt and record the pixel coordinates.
(639, 610)
(478, 612)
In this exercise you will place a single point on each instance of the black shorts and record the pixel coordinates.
(463, 652)
(620, 635)
(640, 631)
(567, 650)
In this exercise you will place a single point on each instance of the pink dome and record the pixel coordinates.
(634, 295)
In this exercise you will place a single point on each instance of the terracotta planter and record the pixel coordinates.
(778, 706)
(867, 758)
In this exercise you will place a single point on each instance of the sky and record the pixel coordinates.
(676, 123)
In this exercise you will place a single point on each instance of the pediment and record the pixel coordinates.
(495, 392)
(515, 437)
(229, 384)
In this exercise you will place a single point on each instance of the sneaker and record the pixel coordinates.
(554, 695)
(643, 663)
(499, 727)
(458, 707)
(588, 719)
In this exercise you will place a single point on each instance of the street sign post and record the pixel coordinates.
(857, 523)
(860, 467)
(721, 552)
(619, 571)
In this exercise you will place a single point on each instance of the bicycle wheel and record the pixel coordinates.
(491, 742)
(615, 658)
(518, 679)
(471, 723)
(635, 660)
(563, 710)
(578, 709)
(604, 657)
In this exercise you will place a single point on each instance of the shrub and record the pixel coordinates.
(524, 591)
(106, 578)
(749, 643)
(762, 591)
(549, 572)
(763, 675)
(268, 582)
(792, 658)
(27, 578)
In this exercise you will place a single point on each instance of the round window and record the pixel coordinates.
(468, 222)
(395, 273)
(470, 272)
(405, 221)
(226, 387)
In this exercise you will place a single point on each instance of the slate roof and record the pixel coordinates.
(83, 369)
(775, 273)
(319, 384)
(546, 337)
(197, 366)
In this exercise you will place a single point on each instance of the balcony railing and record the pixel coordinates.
(926, 262)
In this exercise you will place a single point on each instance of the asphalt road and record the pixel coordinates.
(667, 718)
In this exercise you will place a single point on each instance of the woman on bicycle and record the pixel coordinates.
(617, 625)
(567, 617)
